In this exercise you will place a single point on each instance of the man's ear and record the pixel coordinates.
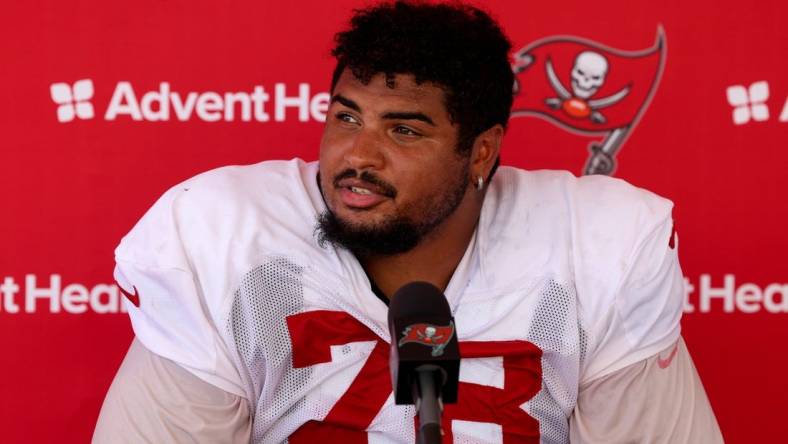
(486, 149)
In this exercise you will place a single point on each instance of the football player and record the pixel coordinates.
(258, 294)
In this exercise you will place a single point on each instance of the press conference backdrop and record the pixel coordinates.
(105, 105)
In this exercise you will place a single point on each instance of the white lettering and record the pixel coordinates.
(209, 106)
(161, 98)
(688, 289)
(75, 298)
(108, 292)
(784, 113)
(282, 101)
(79, 298)
(183, 110)
(9, 289)
(32, 293)
(707, 292)
(230, 99)
(319, 106)
(259, 97)
(748, 298)
(769, 302)
(123, 101)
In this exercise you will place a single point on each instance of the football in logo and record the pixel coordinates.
(588, 88)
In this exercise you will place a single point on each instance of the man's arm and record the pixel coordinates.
(153, 399)
(657, 400)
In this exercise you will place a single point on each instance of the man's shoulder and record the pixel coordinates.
(241, 193)
(592, 194)
(230, 202)
(571, 227)
(269, 178)
(609, 208)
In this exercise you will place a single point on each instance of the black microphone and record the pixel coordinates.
(425, 355)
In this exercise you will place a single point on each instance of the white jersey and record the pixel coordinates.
(565, 280)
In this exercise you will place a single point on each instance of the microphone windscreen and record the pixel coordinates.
(422, 333)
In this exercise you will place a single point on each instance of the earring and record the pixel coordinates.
(479, 183)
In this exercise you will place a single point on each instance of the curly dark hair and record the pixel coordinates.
(457, 47)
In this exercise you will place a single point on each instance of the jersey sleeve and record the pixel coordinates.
(642, 299)
(152, 399)
(659, 399)
(169, 311)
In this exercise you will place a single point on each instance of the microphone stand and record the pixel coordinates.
(428, 404)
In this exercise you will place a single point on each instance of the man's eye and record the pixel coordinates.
(347, 118)
(405, 131)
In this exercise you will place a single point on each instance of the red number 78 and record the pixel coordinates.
(313, 333)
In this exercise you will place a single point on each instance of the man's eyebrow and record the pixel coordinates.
(345, 101)
(392, 115)
(409, 116)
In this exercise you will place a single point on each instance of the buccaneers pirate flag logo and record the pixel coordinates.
(589, 89)
(434, 336)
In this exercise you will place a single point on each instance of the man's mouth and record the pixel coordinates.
(364, 191)
(357, 194)
(360, 190)
(359, 197)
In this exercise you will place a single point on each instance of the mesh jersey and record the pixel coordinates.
(565, 280)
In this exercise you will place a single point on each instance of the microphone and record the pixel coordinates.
(425, 355)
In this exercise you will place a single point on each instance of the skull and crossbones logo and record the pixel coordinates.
(429, 334)
(587, 77)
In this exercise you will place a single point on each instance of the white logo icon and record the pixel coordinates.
(73, 101)
(749, 104)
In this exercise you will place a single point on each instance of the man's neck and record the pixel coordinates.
(433, 260)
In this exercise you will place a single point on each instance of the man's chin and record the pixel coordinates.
(362, 218)
(366, 234)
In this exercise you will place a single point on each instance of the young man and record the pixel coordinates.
(263, 289)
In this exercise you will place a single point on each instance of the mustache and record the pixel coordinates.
(381, 185)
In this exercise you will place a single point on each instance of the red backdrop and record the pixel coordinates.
(87, 146)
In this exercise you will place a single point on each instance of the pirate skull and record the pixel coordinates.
(588, 74)
(430, 331)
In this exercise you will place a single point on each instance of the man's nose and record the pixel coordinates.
(366, 152)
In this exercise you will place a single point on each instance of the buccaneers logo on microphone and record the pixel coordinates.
(587, 88)
(434, 336)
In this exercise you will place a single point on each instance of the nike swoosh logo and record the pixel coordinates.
(665, 363)
(134, 298)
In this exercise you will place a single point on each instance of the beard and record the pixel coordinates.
(398, 234)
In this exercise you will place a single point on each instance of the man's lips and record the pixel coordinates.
(360, 194)
(361, 201)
